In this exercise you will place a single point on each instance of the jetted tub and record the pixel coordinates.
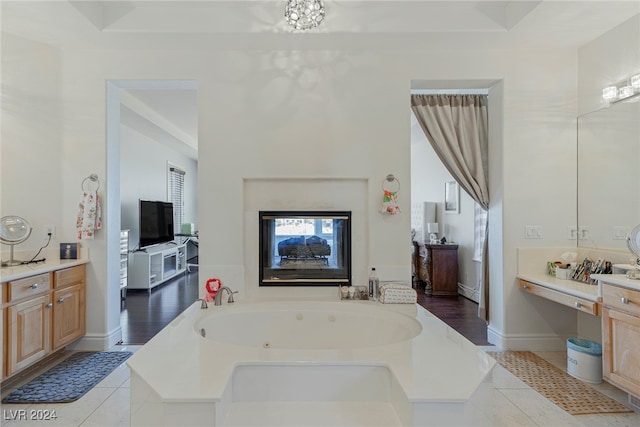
(308, 363)
(308, 325)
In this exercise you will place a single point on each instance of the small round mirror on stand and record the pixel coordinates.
(633, 243)
(13, 230)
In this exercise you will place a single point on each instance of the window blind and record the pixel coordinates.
(176, 196)
(480, 231)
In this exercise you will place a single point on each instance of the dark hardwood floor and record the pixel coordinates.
(144, 314)
(460, 313)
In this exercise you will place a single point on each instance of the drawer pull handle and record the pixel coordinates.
(34, 286)
(624, 300)
(578, 304)
(61, 300)
(525, 287)
(49, 305)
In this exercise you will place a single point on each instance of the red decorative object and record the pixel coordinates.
(212, 286)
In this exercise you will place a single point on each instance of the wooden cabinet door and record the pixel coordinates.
(68, 315)
(443, 270)
(621, 350)
(28, 332)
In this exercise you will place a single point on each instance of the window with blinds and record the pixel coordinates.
(176, 196)
(480, 229)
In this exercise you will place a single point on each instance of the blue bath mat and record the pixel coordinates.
(70, 379)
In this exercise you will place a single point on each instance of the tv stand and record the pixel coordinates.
(155, 265)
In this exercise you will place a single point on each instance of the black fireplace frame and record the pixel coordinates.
(341, 275)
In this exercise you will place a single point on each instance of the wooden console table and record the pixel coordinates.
(443, 270)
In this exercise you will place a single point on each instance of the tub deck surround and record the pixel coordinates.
(179, 368)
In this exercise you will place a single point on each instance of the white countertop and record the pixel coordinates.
(8, 274)
(570, 287)
(438, 365)
(618, 279)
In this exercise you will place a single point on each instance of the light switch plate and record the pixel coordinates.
(533, 232)
(620, 232)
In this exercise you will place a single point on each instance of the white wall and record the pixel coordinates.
(31, 159)
(144, 161)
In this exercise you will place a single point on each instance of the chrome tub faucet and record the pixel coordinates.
(218, 298)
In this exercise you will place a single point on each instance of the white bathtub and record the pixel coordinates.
(306, 363)
(308, 325)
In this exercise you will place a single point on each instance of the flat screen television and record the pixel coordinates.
(156, 222)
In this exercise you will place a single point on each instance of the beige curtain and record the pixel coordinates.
(457, 128)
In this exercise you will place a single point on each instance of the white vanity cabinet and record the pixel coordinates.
(153, 266)
(621, 337)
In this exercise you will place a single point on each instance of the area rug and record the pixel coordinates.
(70, 379)
(572, 395)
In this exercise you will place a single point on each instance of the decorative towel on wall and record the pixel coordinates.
(89, 215)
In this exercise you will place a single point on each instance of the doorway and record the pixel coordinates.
(458, 223)
(151, 130)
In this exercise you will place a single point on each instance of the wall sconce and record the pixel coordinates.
(432, 228)
(622, 90)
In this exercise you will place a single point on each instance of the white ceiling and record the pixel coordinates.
(348, 23)
(259, 24)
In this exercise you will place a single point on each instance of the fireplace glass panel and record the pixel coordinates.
(305, 248)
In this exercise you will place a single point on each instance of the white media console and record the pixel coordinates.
(155, 265)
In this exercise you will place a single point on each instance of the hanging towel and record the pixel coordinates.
(89, 215)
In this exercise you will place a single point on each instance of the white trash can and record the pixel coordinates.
(584, 360)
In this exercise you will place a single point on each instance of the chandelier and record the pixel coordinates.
(304, 14)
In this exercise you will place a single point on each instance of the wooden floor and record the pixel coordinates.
(460, 313)
(144, 314)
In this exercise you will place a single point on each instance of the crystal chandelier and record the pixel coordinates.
(304, 14)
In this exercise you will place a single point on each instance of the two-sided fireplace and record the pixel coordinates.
(305, 248)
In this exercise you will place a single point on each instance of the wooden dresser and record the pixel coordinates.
(443, 270)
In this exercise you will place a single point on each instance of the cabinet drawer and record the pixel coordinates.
(29, 286)
(69, 276)
(621, 298)
(578, 303)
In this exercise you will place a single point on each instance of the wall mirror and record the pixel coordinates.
(608, 175)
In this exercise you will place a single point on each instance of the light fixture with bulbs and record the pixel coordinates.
(622, 90)
(304, 14)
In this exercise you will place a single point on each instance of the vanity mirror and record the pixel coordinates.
(608, 175)
(633, 243)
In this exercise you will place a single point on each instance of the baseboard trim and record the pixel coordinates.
(98, 342)
(526, 342)
(471, 294)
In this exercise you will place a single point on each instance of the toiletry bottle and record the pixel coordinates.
(373, 284)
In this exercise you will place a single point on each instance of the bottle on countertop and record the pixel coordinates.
(373, 284)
